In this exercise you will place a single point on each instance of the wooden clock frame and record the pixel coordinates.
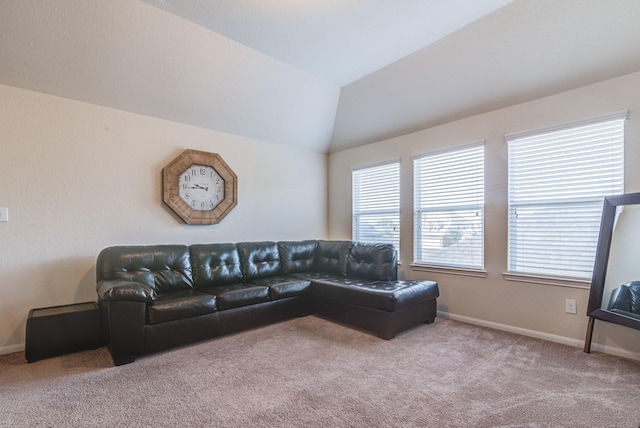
(170, 183)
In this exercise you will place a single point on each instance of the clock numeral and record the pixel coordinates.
(187, 178)
(193, 171)
(193, 203)
(186, 196)
(184, 186)
(203, 171)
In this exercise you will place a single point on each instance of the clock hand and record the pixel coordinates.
(197, 186)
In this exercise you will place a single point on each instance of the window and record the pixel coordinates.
(557, 180)
(449, 208)
(376, 204)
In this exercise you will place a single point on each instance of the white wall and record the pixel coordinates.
(77, 178)
(526, 307)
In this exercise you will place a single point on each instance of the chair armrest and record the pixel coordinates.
(117, 289)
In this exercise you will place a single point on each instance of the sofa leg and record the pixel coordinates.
(303, 313)
(386, 336)
(124, 360)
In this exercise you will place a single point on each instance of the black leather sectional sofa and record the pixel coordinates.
(625, 300)
(156, 297)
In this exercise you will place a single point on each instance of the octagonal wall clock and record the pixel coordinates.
(199, 187)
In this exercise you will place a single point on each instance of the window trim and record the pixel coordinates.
(615, 115)
(451, 270)
(558, 281)
(375, 164)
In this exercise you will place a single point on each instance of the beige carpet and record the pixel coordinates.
(314, 373)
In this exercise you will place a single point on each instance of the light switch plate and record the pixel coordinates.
(4, 214)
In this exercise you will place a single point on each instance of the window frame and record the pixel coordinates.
(421, 264)
(357, 214)
(550, 278)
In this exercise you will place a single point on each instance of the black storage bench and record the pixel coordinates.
(61, 330)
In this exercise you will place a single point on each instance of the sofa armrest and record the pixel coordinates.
(118, 290)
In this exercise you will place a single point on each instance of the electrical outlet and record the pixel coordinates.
(570, 306)
(4, 214)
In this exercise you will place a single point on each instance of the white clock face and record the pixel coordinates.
(201, 187)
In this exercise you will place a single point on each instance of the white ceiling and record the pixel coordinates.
(524, 51)
(337, 40)
(321, 75)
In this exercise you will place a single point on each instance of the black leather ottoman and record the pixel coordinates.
(61, 330)
(384, 307)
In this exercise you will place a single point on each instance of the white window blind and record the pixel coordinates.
(449, 208)
(376, 204)
(557, 181)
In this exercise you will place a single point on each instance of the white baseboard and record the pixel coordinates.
(11, 349)
(619, 352)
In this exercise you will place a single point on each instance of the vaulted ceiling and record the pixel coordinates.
(321, 75)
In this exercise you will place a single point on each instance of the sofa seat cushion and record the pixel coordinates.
(387, 296)
(284, 286)
(316, 276)
(236, 295)
(180, 304)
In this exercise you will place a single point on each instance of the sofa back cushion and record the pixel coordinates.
(259, 259)
(215, 264)
(298, 256)
(162, 267)
(373, 261)
(332, 257)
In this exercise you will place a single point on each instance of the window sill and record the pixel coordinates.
(479, 273)
(547, 280)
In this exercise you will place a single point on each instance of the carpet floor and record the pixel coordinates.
(310, 372)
